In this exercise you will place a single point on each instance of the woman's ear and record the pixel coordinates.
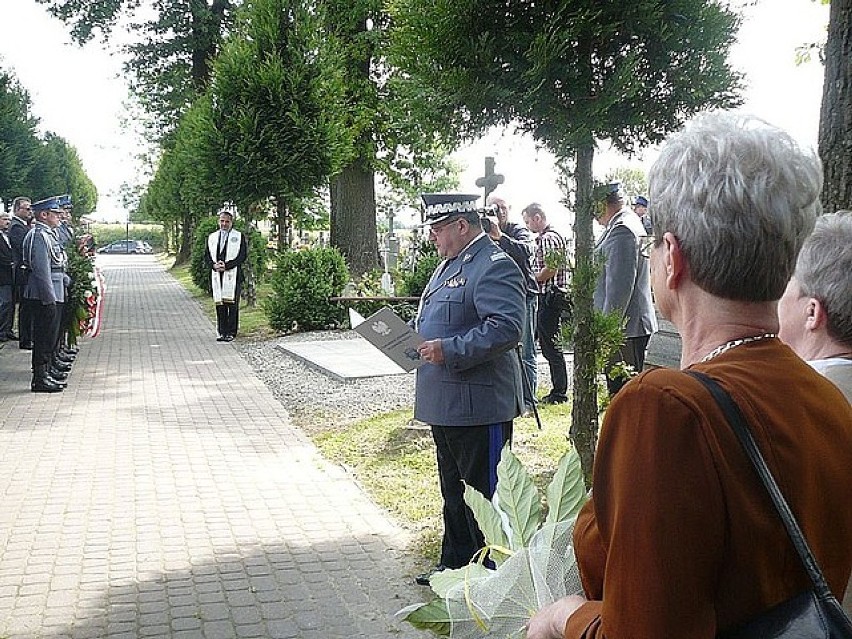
(816, 316)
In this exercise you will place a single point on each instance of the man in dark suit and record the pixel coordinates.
(21, 218)
(468, 390)
(7, 265)
(624, 284)
(226, 252)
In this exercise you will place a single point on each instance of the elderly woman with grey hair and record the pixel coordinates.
(680, 538)
(816, 309)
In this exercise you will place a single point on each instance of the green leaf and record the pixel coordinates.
(518, 498)
(487, 517)
(566, 492)
(445, 580)
(429, 616)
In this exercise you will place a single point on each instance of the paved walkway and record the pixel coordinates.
(165, 494)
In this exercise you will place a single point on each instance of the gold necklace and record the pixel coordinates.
(733, 344)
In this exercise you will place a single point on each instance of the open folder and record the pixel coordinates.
(386, 330)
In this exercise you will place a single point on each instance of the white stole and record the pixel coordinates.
(225, 283)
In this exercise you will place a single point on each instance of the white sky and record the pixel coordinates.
(79, 94)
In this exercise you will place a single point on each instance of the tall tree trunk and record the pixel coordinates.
(281, 224)
(353, 217)
(185, 247)
(835, 124)
(584, 411)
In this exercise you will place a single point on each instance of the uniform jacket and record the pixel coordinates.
(680, 538)
(18, 230)
(45, 260)
(625, 280)
(475, 304)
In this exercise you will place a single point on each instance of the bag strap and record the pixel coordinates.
(738, 424)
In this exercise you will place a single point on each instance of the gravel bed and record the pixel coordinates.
(318, 402)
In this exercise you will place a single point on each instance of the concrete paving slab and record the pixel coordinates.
(344, 359)
(165, 493)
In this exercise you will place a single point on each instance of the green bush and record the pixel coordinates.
(256, 251)
(301, 285)
(107, 233)
(412, 283)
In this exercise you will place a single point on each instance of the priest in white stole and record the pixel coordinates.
(226, 252)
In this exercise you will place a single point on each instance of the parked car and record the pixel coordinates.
(127, 246)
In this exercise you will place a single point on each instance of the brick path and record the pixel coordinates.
(166, 494)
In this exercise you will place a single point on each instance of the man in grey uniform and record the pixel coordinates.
(469, 389)
(624, 284)
(45, 260)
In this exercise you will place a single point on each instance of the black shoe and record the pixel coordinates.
(72, 350)
(59, 365)
(45, 385)
(57, 375)
(65, 359)
(221, 338)
(553, 399)
(229, 338)
(25, 346)
(423, 578)
(11, 336)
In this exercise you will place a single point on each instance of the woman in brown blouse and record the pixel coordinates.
(680, 539)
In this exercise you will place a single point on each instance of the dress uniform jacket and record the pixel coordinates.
(45, 261)
(625, 281)
(475, 303)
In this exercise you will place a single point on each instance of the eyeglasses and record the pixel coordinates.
(647, 245)
(441, 228)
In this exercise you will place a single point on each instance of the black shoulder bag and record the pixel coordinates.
(813, 614)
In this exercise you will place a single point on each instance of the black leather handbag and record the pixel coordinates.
(813, 614)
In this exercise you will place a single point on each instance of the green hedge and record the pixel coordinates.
(301, 285)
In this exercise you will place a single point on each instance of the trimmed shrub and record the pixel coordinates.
(301, 285)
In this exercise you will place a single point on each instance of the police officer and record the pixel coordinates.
(468, 390)
(45, 262)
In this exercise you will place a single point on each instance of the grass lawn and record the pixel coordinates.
(395, 461)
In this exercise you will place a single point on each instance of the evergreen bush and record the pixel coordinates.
(301, 285)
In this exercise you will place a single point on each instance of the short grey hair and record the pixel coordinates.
(824, 271)
(741, 196)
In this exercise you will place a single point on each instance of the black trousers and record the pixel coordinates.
(228, 315)
(46, 319)
(547, 331)
(25, 317)
(632, 352)
(471, 454)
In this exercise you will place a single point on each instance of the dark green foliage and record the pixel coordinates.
(81, 271)
(302, 283)
(277, 106)
(256, 259)
(412, 283)
(34, 167)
